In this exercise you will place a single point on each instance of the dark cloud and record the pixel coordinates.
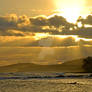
(86, 21)
(57, 21)
(8, 22)
(39, 21)
(23, 21)
(53, 25)
(37, 24)
(12, 21)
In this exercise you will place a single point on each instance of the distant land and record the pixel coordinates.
(70, 66)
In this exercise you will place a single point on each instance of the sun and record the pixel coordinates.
(70, 9)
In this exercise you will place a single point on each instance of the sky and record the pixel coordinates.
(42, 6)
(70, 9)
(29, 7)
(15, 29)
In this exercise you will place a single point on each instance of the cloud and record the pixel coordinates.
(59, 42)
(8, 22)
(57, 21)
(15, 41)
(12, 21)
(26, 39)
(16, 33)
(88, 20)
(39, 21)
(41, 24)
(23, 21)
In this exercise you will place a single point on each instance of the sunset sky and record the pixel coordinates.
(21, 25)
(67, 8)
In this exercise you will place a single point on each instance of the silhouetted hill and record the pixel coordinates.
(88, 64)
(71, 66)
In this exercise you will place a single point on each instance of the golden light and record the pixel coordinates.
(70, 9)
(79, 24)
(75, 37)
(85, 39)
(40, 35)
(66, 36)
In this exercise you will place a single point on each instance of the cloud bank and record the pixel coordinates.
(20, 31)
(30, 41)
(54, 25)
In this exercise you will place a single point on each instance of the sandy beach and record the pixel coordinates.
(46, 85)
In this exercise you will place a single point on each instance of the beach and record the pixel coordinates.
(46, 85)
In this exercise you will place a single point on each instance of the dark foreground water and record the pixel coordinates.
(45, 82)
(44, 75)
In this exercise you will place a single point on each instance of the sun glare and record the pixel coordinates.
(75, 37)
(41, 35)
(70, 9)
(44, 35)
